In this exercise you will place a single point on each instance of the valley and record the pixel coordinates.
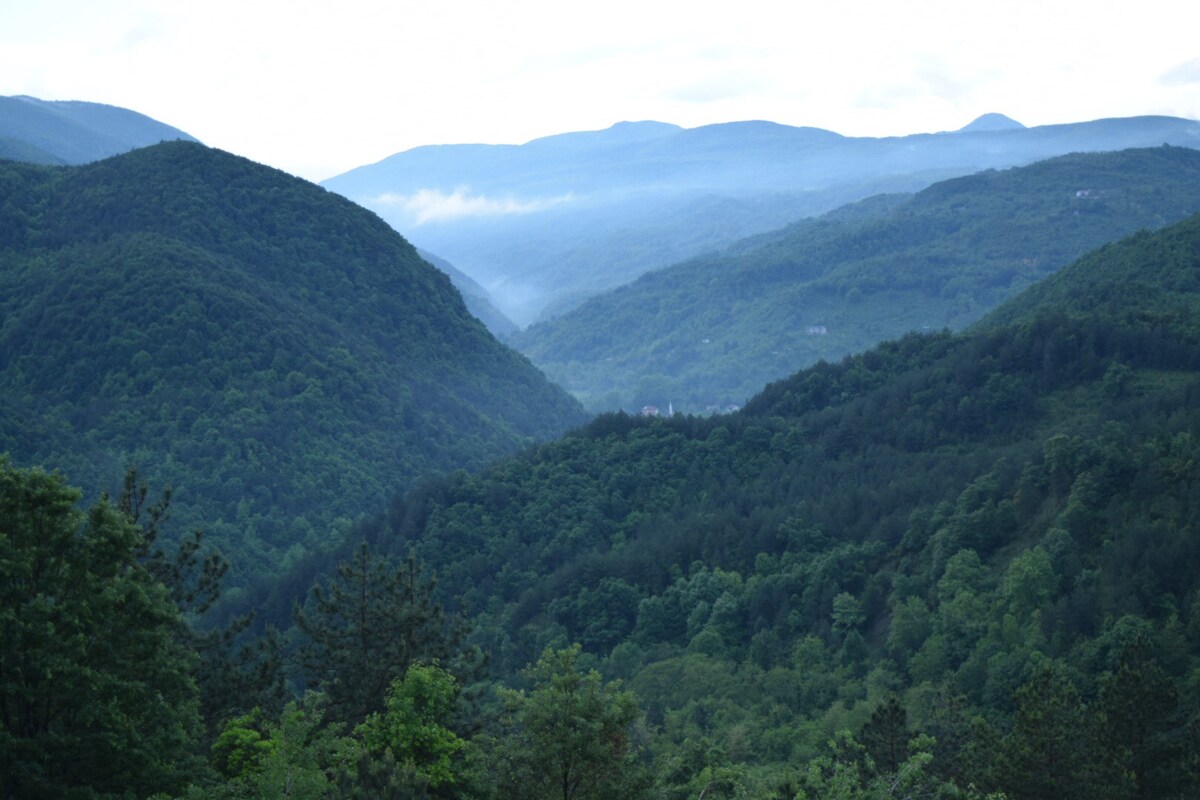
(286, 512)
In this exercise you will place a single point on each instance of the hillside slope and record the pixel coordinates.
(478, 301)
(712, 331)
(943, 519)
(74, 132)
(276, 354)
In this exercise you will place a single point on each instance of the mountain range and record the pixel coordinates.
(545, 224)
(74, 132)
(955, 564)
(712, 331)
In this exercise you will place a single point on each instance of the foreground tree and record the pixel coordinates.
(96, 694)
(847, 772)
(297, 757)
(885, 735)
(367, 625)
(574, 737)
(414, 729)
(235, 672)
(1141, 728)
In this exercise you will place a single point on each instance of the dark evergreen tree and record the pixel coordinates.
(379, 777)
(367, 624)
(237, 672)
(1050, 753)
(885, 736)
(1141, 728)
(958, 738)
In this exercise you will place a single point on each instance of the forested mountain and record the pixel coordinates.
(545, 224)
(713, 330)
(74, 132)
(957, 565)
(276, 354)
(987, 537)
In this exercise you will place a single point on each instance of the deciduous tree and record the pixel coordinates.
(574, 736)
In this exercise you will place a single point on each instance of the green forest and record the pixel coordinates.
(712, 331)
(953, 565)
(275, 354)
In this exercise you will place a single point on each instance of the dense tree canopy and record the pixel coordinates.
(954, 565)
(275, 354)
(930, 520)
(97, 695)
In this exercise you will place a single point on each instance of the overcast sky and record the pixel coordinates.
(317, 88)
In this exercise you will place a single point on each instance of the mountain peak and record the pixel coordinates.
(992, 122)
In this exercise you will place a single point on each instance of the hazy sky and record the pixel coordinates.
(317, 88)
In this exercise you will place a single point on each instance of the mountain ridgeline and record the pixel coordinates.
(74, 132)
(279, 356)
(712, 331)
(544, 225)
(983, 525)
(478, 301)
(957, 564)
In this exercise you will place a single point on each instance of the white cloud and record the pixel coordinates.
(433, 205)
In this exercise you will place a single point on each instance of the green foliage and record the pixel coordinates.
(239, 751)
(1049, 752)
(891, 525)
(1030, 581)
(885, 736)
(302, 759)
(847, 613)
(276, 354)
(573, 736)
(848, 773)
(235, 671)
(97, 697)
(413, 726)
(1141, 723)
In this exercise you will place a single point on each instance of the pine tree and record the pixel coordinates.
(237, 672)
(885, 736)
(1050, 752)
(367, 625)
(1140, 710)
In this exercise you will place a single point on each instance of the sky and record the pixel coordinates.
(318, 88)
